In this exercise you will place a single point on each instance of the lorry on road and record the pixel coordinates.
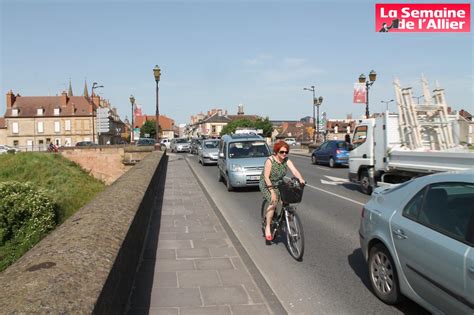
(392, 148)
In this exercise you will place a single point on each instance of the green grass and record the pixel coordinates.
(67, 184)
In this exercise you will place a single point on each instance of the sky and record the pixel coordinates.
(219, 54)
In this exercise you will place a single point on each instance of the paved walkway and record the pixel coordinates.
(190, 264)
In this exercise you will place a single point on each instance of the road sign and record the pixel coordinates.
(103, 122)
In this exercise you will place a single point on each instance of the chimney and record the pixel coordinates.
(10, 99)
(63, 99)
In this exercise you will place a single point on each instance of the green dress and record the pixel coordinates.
(277, 173)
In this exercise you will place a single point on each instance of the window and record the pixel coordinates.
(16, 143)
(57, 126)
(57, 111)
(29, 145)
(446, 207)
(39, 111)
(15, 128)
(14, 111)
(67, 142)
(40, 126)
(67, 125)
(412, 209)
(360, 135)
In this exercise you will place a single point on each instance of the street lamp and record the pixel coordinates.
(316, 102)
(157, 74)
(386, 103)
(368, 84)
(132, 101)
(95, 85)
(418, 98)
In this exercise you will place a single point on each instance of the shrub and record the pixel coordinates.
(26, 215)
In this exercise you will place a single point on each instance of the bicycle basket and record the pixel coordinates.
(291, 191)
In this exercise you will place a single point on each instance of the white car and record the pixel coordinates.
(5, 149)
(290, 141)
(165, 142)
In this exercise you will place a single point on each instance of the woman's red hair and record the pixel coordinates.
(277, 146)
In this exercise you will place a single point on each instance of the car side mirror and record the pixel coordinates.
(221, 155)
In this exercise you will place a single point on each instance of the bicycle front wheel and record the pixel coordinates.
(294, 236)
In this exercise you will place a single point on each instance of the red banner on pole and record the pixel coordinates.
(360, 93)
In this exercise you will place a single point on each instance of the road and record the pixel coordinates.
(332, 278)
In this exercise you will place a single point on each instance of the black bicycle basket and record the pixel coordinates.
(291, 191)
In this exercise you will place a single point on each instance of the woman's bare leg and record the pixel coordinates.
(269, 214)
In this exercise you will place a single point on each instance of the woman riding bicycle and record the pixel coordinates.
(275, 169)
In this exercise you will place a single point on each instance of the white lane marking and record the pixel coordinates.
(331, 193)
(337, 179)
(328, 183)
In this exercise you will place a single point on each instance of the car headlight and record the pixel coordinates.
(236, 168)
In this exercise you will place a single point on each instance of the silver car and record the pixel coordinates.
(208, 151)
(180, 145)
(418, 240)
(241, 160)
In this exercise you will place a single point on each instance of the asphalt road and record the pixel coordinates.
(332, 278)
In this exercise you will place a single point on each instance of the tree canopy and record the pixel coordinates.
(148, 128)
(263, 124)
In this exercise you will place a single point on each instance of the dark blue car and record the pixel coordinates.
(332, 152)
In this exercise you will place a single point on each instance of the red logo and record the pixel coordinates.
(423, 17)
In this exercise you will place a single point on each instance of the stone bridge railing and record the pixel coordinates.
(87, 265)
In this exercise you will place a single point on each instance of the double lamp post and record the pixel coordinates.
(95, 85)
(316, 103)
(132, 101)
(368, 84)
(157, 74)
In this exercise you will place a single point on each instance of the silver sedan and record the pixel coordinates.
(418, 240)
(208, 152)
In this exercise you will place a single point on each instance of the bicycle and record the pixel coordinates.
(287, 219)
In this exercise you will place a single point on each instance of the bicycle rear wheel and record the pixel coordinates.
(294, 236)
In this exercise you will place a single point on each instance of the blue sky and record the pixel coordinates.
(217, 54)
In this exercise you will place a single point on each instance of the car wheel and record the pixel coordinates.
(219, 175)
(365, 183)
(313, 159)
(383, 275)
(229, 185)
(332, 163)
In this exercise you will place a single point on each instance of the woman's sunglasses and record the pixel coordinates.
(283, 152)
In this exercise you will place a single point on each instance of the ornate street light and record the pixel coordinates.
(316, 103)
(132, 101)
(368, 84)
(157, 74)
(95, 85)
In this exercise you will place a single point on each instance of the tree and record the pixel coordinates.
(264, 124)
(232, 126)
(148, 128)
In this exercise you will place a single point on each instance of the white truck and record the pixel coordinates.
(378, 155)
(418, 140)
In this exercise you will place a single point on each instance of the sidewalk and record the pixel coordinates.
(303, 152)
(190, 264)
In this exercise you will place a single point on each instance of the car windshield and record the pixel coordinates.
(248, 149)
(181, 141)
(211, 144)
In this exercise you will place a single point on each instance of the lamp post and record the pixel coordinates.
(95, 85)
(157, 74)
(316, 102)
(418, 98)
(368, 84)
(132, 101)
(386, 103)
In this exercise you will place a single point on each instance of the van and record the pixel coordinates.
(165, 142)
(241, 159)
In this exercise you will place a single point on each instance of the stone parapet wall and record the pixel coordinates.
(87, 264)
(106, 163)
